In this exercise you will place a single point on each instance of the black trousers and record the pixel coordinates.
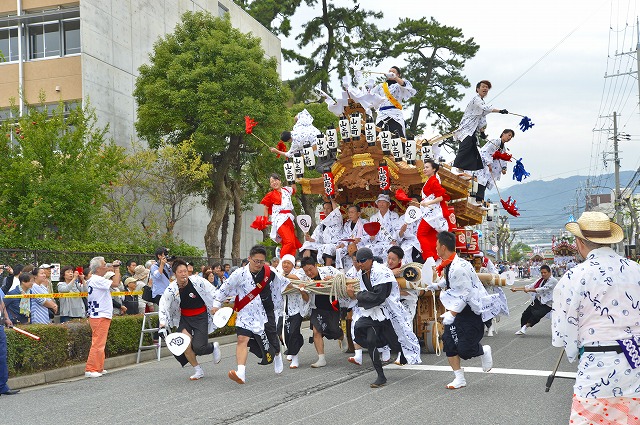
(198, 328)
(392, 126)
(534, 313)
(480, 192)
(468, 156)
(263, 346)
(292, 336)
(463, 337)
(327, 322)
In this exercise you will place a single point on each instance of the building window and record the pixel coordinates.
(44, 40)
(9, 44)
(222, 10)
(71, 36)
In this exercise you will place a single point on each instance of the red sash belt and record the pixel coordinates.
(193, 311)
(285, 211)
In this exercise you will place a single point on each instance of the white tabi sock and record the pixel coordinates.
(358, 355)
(294, 362)
(277, 363)
(321, 361)
(385, 353)
(241, 371)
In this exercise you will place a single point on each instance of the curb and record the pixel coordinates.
(77, 370)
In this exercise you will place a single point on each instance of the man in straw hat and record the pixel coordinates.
(596, 318)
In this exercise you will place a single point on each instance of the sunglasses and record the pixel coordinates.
(363, 261)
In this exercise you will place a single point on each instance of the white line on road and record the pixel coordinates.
(496, 370)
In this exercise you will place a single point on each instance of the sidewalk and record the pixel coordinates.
(77, 370)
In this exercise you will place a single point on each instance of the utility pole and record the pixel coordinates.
(616, 162)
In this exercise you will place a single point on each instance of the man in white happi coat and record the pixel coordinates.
(408, 239)
(303, 132)
(494, 168)
(473, 121)
(393, 92)
(352, 233)
(389, 224)
(541, 299)
(296, 309)
(596, 318)
(482, 264)
(383, 319)
(468, 306)
(325, 236)
(257, 288)
(325, 316)
(187, 303)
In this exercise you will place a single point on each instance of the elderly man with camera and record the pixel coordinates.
(100, 312)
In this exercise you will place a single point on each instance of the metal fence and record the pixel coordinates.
(36, 257)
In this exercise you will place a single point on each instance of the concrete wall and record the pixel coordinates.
(117, 37)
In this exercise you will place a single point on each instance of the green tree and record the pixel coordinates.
(57, 169)
(275, 15)
(201, 82)
(339, 36)
(435, 55)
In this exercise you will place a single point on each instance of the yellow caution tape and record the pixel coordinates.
(70, 295)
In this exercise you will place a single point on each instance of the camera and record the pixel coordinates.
(170, 258)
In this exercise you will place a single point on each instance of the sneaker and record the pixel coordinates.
(104, 371)
(92, 374)
(217, 355)
(233, 375)
(199, 374)
(487, 360)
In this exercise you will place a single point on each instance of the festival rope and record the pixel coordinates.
(71, 295)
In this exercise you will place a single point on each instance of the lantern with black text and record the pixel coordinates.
(309, 156)
(355, 126)
(329, 185)
(385, 142)
(426, 151)
(298, 165)
(289, 173)
(321, 145)
(332, 139)
(344, 128)
(370, 132)
(410, 152)
(396, 147)
(384, 176)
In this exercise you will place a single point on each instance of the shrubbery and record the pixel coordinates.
(69, 343)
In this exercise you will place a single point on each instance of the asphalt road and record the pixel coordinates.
(160, 392)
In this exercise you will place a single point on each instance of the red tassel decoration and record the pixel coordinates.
(249, 124)
(260, 223)
(401, 195)
(510, 207)
(502, 156)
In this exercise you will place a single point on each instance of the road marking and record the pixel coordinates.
(495, 370)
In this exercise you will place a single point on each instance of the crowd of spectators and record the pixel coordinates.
(31, 279)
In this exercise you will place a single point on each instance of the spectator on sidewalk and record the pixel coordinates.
(12, 280)
(19, 309)
(133, 303)
(100, 313)
(160, 273)
(131, 267)
(4, 370)
(40, 307)
(72, 282)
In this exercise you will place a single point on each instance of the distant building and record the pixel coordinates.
(92, 49)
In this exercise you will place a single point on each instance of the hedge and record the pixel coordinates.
(66, 344)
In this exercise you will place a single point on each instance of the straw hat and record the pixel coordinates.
(140, 272)
(596, 227)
